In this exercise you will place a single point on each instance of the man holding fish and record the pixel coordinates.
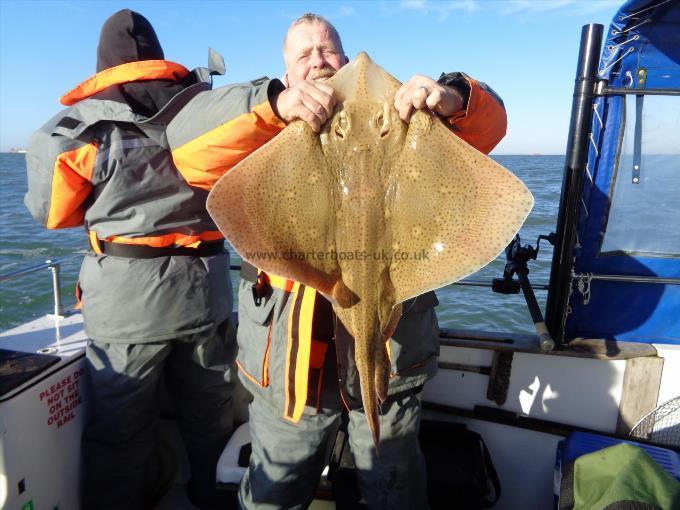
(295, 356)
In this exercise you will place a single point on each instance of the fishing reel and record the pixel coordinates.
(517, 257)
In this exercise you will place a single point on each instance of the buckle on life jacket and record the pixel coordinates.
(260, 289)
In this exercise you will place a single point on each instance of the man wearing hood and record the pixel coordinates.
(156, 293)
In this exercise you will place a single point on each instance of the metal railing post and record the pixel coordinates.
(54, 268)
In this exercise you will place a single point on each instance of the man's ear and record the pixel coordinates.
(284, 79)
(346, 59)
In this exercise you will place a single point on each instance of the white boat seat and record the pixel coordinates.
(228, 469)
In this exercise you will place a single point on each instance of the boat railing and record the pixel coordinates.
(54, 266)
(467, 282)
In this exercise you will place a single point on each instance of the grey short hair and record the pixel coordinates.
(310, 17)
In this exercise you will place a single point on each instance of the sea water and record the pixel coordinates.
(24, 243)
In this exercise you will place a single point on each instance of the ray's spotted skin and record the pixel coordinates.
(415, 206)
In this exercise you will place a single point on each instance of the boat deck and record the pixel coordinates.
(592, 385)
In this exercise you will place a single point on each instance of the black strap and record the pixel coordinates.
(637, 135)
(491, 471)
(637, 140)
(141, 251)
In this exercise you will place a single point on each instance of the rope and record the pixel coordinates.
(583, 285)
(643, 10)
(585, 208)
(611, 48)
(630, 50)
(617, 32)
(590, 176)
(597, 114)
(592, 141)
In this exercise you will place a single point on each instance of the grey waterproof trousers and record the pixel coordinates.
(288, 458)
(125, 381)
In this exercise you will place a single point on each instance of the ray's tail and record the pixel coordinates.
(365, 361)
(382, 371)
(373, 364)
(382, 357)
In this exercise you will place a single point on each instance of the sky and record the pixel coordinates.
(526, 50)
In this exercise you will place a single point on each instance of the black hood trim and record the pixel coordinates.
(127, 36)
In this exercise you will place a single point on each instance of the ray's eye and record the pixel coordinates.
(341, 125)
(382, 123)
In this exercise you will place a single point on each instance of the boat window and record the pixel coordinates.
(644, 213)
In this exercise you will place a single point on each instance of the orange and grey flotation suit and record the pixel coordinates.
(284, 336)
(157, 267)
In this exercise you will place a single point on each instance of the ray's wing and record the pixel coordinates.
(455, 209)
(275, 209)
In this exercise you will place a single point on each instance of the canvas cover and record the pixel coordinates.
(629, 218)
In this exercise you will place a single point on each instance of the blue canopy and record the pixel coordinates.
(629, 219)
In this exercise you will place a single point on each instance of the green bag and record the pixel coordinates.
(618, 478)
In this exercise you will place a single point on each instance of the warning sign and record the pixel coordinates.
(62, 398)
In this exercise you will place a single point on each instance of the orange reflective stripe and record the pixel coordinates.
(94, 242)
(79, 296)
(290, 358)
(411, 367)
(124, 73)
(264, 376)
(265, 361)
(71, 186)
(485, 121)
(317, 360)
(318, 390)
(278, 282)
(206, 158)
(263, 382)
(166, 240)
(298, 351)
(247, 375)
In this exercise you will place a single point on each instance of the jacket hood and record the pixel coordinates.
(127, 36)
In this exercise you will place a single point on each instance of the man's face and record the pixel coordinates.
(311, 52)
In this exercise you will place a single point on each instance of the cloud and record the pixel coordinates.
(342, 11)
(72, 6)
(524, 6)
(442, 9)
(570, 7)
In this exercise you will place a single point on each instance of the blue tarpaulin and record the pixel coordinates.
(629, 218)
